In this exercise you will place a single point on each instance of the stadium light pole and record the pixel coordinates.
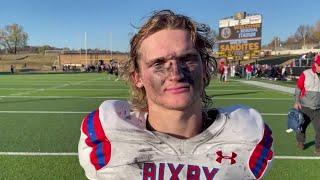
(85, 47)
(275, 45)
(110, 33)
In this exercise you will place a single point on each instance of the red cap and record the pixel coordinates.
(317, 59)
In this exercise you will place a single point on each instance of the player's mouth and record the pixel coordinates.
(178, 89)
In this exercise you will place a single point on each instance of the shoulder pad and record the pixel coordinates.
(117, 114)
(243, 122)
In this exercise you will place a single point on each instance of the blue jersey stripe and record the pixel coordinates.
(264, 153)
(93, 137)
(100, 155)
(91, 131)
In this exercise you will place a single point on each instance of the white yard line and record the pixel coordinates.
(115, 97)
(38, 154)
(76, 154)
(236, 90)
(298, 157)
(53, 87)
(276, 87)
(57, 88)
(274, 114)
(247, 98)
(84, 112)
(43, 112)
(61, 97)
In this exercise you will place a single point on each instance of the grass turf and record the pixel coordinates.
(81, 93)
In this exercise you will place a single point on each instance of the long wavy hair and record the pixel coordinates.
(202, 39)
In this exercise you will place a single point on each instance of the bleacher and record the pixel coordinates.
(276, 60)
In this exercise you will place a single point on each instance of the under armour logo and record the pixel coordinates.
(221, 156)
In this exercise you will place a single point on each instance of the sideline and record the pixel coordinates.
(276, 87)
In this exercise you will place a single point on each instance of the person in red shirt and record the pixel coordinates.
(307, 100)
(249, 70)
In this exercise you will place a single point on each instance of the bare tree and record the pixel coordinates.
(304, 34)
(316, 31)
(275, 43)
(292, 42)
(13, 37)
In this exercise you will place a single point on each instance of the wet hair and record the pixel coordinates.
(201, 36)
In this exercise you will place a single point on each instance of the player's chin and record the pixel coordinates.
(180, 102)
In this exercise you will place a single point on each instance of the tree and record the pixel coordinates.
(42, 49)
(275, 43)
(292, 43)
(316, 31)
(13, 37)
(304, 34)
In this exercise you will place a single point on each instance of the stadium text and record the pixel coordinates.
(239, 47)
(247, 33)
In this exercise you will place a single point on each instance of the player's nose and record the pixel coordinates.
(175, 71)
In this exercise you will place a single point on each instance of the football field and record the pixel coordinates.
(40, 117)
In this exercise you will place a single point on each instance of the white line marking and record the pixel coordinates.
(116, 97)
(44, 112)
(255, 98)
(236, 90)
(76, 154)
(57, 88)
(38, 154)
(62, 89)
(83, 112)
(53, 87)
(298, 157)
(277, 87)
(62, 97)
(274, 114)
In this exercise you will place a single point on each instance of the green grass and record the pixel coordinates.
(82, 93)
(40, 168)
(291, 83)
(294, 169)
(40, 132)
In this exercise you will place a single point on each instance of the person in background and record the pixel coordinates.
(168, 129)
(12, 69)
(249, 70)
(307, 100)
(221, 71)
(225, 72)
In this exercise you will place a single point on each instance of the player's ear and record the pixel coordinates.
(135, 76)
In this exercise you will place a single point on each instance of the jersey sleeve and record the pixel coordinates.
(262, 154)
(246, 124)
(94, 149)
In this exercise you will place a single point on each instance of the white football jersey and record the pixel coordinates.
(115, 144)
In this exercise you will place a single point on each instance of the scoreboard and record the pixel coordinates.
(240, 36)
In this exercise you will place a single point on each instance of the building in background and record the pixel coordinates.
(89, 58)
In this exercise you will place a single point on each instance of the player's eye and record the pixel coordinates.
(158, 64)
(190, 60)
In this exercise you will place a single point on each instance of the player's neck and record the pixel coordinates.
(181, 124)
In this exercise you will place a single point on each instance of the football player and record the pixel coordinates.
(167, 129)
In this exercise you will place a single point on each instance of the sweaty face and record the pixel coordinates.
(171, 70)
